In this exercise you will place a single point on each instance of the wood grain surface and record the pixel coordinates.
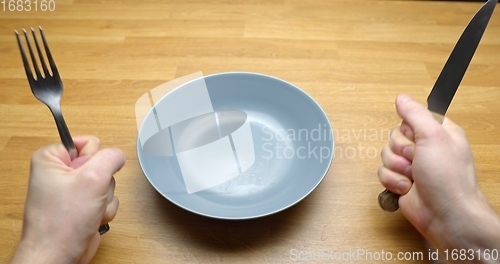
(352, 57)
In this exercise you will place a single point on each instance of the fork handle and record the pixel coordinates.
(66, 138)
(67, 141)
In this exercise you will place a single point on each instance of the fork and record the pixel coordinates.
(48, 89)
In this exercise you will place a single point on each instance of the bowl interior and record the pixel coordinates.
(292, 146)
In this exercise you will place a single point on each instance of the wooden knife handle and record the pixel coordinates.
(388, 200)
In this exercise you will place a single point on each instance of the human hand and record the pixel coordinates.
(67, 201)
(431, 166)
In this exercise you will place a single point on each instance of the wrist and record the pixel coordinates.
(474, 226)
(39, 251)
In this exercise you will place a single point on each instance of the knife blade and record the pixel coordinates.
(449, 80)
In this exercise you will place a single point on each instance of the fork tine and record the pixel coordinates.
(26, 64)
(52, 64)
(40, 55)
(33, 59)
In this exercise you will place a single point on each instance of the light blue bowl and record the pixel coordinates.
(235, 145)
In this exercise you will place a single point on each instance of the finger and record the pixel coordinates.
(400, 144)
(417, 116)
(394, 181)
(407, 131)
(396, 163)
(111, 210)
(103, 164)
(112, 203)
(111, 190)
(86, 146)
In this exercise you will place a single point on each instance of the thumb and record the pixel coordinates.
(417, 116)
(103, 164)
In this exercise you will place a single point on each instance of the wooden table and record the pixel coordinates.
(353, 57)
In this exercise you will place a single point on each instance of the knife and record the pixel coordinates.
(449, 79)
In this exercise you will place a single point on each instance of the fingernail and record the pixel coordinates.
(408, 152)
(408, 171)
(402, 187)
(408, 134)
(403, 98)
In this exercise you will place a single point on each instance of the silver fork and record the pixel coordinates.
(48, 89)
